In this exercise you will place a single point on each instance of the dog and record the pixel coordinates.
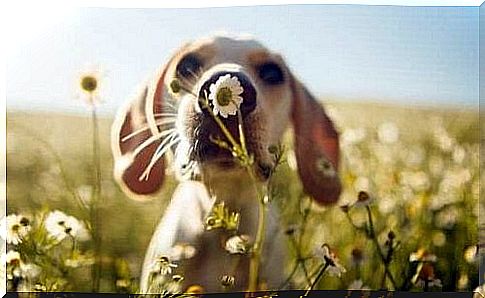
(167, 116)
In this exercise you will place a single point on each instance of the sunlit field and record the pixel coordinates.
(416, 231)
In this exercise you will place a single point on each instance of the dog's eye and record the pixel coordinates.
(189, 66)
(271, 73)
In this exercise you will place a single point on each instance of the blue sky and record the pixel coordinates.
(411, 55)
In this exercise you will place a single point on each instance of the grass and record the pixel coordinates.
(425, 184)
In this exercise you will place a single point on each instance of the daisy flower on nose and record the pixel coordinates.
(225, 95)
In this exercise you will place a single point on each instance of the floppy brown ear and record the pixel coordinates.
(316, 146)
(135, 138)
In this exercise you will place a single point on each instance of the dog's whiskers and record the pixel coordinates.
(165, 121)
(152, 139)
(170, 140)
(166, 105)
(165, 114)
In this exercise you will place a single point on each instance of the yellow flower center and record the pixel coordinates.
(363, 196)
(175, 85)
(15, 228)
(224, 96)
(89, 83)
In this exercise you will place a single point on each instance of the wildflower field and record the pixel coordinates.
(407, 218)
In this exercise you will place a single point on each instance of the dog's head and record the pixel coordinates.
(168, 116)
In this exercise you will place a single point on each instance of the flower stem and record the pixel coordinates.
(95, 201)
(240, 151)
(372, 235)
(317, 279)
(242, 138)
(257, 247)
(221, 125)
(306, 214)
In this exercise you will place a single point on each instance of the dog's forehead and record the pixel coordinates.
(243, 43)
(225, 47)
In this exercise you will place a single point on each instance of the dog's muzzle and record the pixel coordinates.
(207, 129)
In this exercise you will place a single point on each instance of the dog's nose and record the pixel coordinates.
(225, 86)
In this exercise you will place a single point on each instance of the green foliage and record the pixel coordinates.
(419, 166)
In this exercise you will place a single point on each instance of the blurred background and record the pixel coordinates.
(400, 83)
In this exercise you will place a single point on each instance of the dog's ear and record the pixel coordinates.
(135, 138)
(316, 146)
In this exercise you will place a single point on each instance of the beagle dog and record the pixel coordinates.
(167, 116)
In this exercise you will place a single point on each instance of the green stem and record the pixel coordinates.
(95, 201)
(240, 151)
(300, 259)
(257, 250)
(306, 214)
(242, 138)
(317, 279)
(372, 235)
(220, 124)
(290, 276)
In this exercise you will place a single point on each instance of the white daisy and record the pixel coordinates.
(353, 136)
(238, 244)
(363, 199)
(182, 251)
(89, 82)
(163, 266)
(334, 267)
(19, 268)
(228, 281)
(225, 95)
(59, 225)
(12, 257)
(388, 133)
(13, 228)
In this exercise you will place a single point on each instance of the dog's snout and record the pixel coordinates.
(248, 94)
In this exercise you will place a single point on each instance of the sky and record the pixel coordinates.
(392, 54)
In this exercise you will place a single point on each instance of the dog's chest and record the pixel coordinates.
(213, 265)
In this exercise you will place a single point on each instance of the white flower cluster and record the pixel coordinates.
(21, 232)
